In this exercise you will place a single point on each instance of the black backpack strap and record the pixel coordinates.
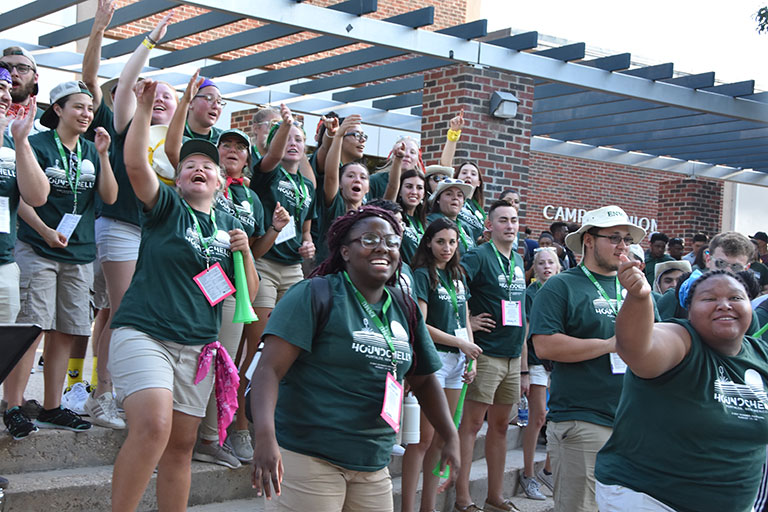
(322, 301)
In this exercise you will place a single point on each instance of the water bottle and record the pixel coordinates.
(411, 420)
(522, 412)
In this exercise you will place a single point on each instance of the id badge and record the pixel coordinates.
(512, 313)
(68, 224)
(5, 215)
(618, 366)
(214, 284)
(461, 333)
(393, 402)
(287, 233)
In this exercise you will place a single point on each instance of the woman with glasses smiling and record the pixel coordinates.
(325, 439)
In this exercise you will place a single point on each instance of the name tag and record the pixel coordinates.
(512, 313)
(287, 233)
(618, 366)
(68, 224)
(214, 284)
(5, 215)
(461, 333)
(393, 402)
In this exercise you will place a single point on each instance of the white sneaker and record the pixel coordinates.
(398, 450)
(531, 488)
(546, 479)
(74, 398)
(103, 411)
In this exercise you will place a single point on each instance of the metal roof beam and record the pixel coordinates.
(668, 135)
(548, 89)
(710, 147)
(569, 52)
(122, 16)
(411, 99)
(32, 11)
(379, 90)
(724, 133)
(705, 155)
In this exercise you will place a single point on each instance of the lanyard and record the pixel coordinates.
(205, 242)
(193, 135)
(478, 209)
(68, 168)
(416, 224)
(231, 197)
(449, 286)
(302, 194)
(383, 327)
(462, 234)
(510, 270)
(602, 290)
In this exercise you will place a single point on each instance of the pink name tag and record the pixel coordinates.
(393, 402)
(214, 284)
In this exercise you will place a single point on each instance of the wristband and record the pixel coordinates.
(154, 43)
(453, 135)
(523, 372)
(148, 43)
(273, 227)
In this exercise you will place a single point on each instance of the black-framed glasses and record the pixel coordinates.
(372, 241)
(360, 136)
(721, 264)
(211, 99)
(437, 178)
(616, 239)
(23, 69)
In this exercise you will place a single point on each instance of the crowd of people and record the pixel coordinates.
(126, 216)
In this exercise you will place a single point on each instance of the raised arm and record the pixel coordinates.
(143, 179)
(279, 141)
(454, 131)
(648, 349)
(280, 219)
(107, 181)
(175, 135)
(333, 158)
(332, 124)
(393, 177)
(125, 100)
(92, 55)
(30, 178)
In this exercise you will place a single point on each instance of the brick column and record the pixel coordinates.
(689, 206)
(501, 147)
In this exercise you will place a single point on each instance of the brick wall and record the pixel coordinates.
(501, 147)
(688, 206)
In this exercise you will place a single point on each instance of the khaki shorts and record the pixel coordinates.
(54, 295)
(138, 361)
(276, 278)
(497, 381)
(9, 292)
(313, 484)
(572, 447)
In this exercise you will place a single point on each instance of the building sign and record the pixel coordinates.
(566, 214)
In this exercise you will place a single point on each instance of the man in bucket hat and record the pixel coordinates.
(573, 324)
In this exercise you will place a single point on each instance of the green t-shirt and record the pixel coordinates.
(326, 214)
(212, 137)
(163, 300)
(693, 438)
(473, 219)
(244, 205)
(488, 287)
(650, 266)
(440, 311)
(103, 117)
(330, 400)
(530, 294)
(407, 280)
(411, 239)
(9, 199)
(760, 271)
(570, 304)
(467, 242)
(377, 185)
(127, 208)
(81, 248)
(273, 187)
(762, 318)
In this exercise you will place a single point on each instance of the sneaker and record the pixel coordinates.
(242, 445)
(62, 418)
(546, 479)
(531, 488)
(17, 423)
(103, 411)
(398, 450)
(31, 408)
(74, 397)
(40, 363)
(216, 454)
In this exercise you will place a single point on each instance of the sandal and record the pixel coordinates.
(469, 508)
(506, 506)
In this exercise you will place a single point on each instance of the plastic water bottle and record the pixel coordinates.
(411, 420)
(522, 412)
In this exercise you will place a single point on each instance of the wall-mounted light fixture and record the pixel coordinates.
(504, 105)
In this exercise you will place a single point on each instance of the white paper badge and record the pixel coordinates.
(461, 333)
(393, 402)
(68, 224)
(5, 215)
(618, 366)
(287, 233)
(512, 313)
(214, 284)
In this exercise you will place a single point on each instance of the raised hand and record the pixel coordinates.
(102, 139)
(280, 217)
(193, 87)
(286, 114)
(632, 278)
(22, 126)
(162, 26)
(103, 17)
(457, 122)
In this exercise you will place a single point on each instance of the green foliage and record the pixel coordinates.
(762, 20)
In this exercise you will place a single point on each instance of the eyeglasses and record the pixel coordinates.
(23, 69)
(211, 99)
(271, 123)
(721, 264)
(372, 241)
(616, 239)
(437, 178)
(238, 146)
(360, 136)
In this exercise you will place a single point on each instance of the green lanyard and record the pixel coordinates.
(205, 242)
(65, 163)
(193, 135)
(462, 234)
(510, 270)
(478, 209)
(302, 194)
(247, 196)
(416, 224)
(602, 290)
(383, 327)
(451, 289)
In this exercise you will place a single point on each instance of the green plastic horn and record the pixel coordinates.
(456, 420)
(244, 313)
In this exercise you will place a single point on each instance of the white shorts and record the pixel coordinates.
(538, 375)
(449, 375)
(117, 240)
(617, 498)
(9, 292)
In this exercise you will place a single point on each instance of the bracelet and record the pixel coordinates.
(148, 43)
(154, 43)
(273, 227)
(453, 135)
(523, 372)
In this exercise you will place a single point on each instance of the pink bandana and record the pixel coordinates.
(226, 383)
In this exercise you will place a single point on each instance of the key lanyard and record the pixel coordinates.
(602, 290)
(511, 269)
(302, 194)
(205, 242)
(192, 135)
(451, 289)
(68, 168)
(478, 209)
(231, 197)
(381, 326)
(462, 235)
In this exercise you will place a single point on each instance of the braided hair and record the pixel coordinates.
(712, 273)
